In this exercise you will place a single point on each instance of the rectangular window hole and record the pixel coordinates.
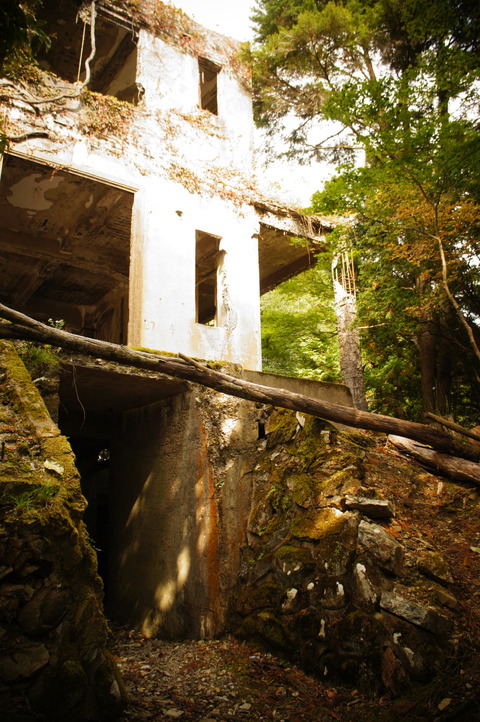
(208, 72)
(114, 65)
(207, 256)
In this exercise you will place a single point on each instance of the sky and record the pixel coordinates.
(225, 16)
(231, 17)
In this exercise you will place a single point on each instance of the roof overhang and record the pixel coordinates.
(288, 243)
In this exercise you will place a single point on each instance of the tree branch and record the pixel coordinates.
(454, 301)
(452, 425)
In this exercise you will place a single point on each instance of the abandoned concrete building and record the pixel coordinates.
(129, 211)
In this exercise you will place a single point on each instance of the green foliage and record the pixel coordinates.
(21, 33)
(34, 354)
(21, 37)
(298, 326)
(38, 496)
(400, 81)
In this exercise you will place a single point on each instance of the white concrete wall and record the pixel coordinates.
(166, 218)
(171, 82)
(183, 164)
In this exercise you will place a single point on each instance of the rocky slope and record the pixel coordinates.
(360, 566)
(53, 661)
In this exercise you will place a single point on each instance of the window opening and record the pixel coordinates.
(207, 256)
(113, 67)
(65, 248)
(208, 85)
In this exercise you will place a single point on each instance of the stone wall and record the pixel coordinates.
(324, 573)
(53, 664)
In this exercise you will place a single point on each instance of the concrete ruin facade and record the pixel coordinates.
(129, 211)
(137, 218)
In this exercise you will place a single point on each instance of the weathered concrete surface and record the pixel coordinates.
(180, 500)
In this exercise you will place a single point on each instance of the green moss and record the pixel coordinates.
(281, 428)
(154, 351)
(23, 395)
(20, 469)
(34, 354)
(312, 446)
(302, 488)
(277, 494)
(269, 629)
(58, 449)
(318, 524)
(291, 554)
(275, 524)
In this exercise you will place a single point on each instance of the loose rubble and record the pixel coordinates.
(213, 680)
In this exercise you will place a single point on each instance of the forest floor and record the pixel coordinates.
(227, 679)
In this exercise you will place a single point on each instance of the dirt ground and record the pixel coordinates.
(231, 680)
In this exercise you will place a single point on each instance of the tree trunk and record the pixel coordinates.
(343, 274)
(425, 342)
(27, 328)
(451, 466)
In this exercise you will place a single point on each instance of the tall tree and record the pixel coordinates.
(400, 80)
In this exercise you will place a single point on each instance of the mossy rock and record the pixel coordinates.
(58, 449)
(335, 553)
(277, 530)
(312, 448)
(60, 692)
(294, 562)
(318, 524)
(280, 428)
(328, 593)
(269, 629)
(361, 441)
(267, 594)
(302, 489)
(110, 692)
(359, 640)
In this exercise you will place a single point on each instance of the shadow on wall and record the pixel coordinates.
(169, 544)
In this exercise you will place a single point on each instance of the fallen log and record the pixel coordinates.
(452, 425)
(452, 466)
(24, 327)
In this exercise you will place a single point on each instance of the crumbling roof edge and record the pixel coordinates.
(311, 226)
(176, 28)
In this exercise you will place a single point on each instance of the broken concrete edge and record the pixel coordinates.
(176, 28)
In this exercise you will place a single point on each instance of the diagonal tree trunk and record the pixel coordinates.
(24, 327)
